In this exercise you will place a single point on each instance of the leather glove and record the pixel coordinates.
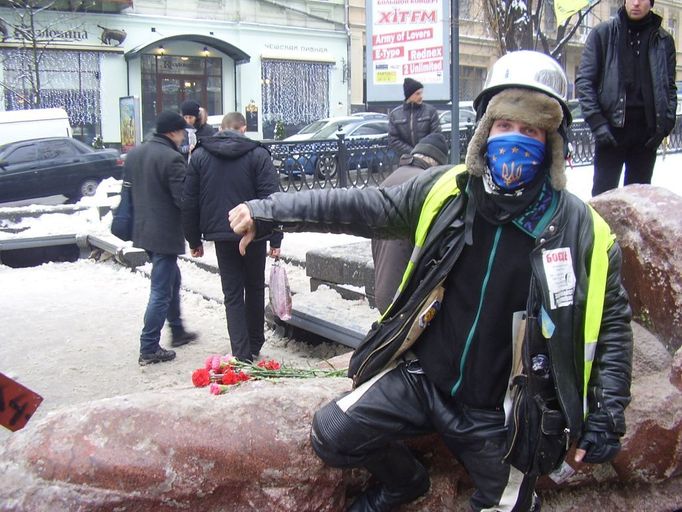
(604, 137)
(600, 446)
(654, 142)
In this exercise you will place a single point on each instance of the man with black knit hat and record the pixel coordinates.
(156, 171)
(510, 333)
(626, 87)
(196, 126)
(391, 256)
(411, 121)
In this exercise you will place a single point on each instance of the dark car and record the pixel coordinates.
(53, 166)
(367, 144)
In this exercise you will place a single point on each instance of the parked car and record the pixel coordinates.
(576, 112)
(367, 148)
(307, 132)
(53, 166)
(370, 115)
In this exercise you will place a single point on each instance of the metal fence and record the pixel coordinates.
(319, 164)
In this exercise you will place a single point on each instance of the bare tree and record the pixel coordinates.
(34, 32)
(518, 25)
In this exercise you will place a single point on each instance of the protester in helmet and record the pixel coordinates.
(505, 259)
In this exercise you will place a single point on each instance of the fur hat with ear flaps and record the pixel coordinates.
(526, 106)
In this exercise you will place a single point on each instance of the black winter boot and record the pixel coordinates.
(180, 336)
(403, 479)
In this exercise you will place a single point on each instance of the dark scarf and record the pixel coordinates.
(502, 208)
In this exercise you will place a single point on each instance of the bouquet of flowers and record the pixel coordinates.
(221, 372)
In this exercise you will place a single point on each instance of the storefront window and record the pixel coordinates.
(168, 80)
(294, 92)
(65, 79)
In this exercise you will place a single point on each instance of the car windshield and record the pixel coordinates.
(329, 131)
(313, 127)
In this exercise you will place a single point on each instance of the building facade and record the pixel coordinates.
(286, 61)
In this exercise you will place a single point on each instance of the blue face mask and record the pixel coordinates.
(514, 159)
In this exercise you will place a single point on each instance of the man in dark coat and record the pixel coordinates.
(626, 87)
(226, 170)
(190, 113)
(391, 256)
(156, 171)
(498, 242)
(411, 121)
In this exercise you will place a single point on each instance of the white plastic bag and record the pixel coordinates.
(280, 294)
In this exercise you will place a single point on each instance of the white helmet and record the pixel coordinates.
(525, 69)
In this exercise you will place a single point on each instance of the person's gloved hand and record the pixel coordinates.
(604, 137)
(654, 142)
(597, 447)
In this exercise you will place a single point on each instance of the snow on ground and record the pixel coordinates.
(70, 330)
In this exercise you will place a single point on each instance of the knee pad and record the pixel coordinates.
(335, 437)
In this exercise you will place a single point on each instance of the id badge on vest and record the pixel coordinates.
(558, 266)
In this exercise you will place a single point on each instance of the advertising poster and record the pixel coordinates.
(131, 126)
(407, 38)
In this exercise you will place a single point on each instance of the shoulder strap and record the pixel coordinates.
(444, 188)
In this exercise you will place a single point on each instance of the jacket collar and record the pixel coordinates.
(656, 20)
(162, 139)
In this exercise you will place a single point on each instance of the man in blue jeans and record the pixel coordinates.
(156, 171)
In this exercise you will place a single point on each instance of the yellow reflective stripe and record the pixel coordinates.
(445, 187)
(596, 291)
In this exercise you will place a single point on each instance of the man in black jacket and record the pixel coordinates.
(156, 171)
(225, 170)
(391, 256)
(498, 242)
(626, 87)
(411, 121)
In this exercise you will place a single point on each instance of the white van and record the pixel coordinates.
(16, 125)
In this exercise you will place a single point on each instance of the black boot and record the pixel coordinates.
(182, 337)
(402, 479)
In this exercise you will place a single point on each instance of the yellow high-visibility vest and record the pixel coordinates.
(446, 187)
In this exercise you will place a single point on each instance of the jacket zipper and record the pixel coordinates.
(470, 336)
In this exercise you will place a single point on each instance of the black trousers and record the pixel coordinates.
(630, 152)
(365, 426)
(243, 282)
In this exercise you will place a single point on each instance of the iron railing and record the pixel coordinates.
(319, 164)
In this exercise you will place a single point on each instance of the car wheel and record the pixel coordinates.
(325, 167)
(88, 188)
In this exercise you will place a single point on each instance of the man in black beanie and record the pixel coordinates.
(626, 87)
(156, 172)
(191, 112)
(411, 121)
(391, 256)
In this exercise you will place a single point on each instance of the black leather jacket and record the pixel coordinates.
(601, 88)
(409, 123)
(394, 212)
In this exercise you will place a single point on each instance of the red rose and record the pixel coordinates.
(243, 377)
(201, 377)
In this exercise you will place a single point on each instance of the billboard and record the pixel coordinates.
(407, 38)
